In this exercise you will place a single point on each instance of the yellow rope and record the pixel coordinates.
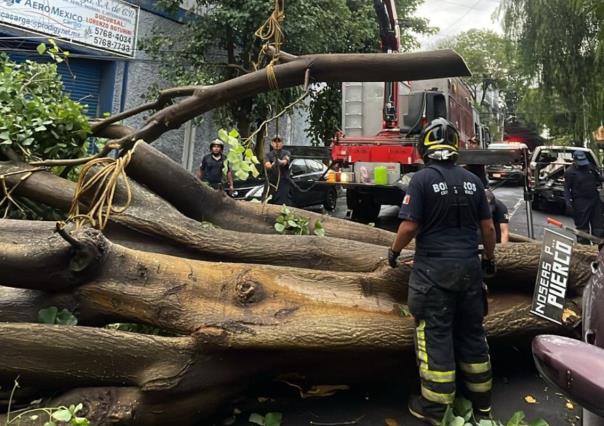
(271, 34)
(7, 192)
(102, 185)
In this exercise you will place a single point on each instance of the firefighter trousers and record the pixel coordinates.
(447, 300)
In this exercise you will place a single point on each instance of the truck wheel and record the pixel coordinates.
(364, 207)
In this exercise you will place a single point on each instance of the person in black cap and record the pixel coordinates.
(276, 166)
(210, 169)
(581, 182)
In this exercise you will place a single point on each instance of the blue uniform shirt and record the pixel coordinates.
(448, 203)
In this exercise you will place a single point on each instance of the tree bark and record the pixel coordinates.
(131, 406)
(319, 68)
(253, 306)
(205, 241)
(198, 201)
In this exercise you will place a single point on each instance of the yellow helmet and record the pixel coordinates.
(439, 140)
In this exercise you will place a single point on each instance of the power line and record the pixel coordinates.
(462, 17)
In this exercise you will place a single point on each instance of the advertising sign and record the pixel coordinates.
(552, 277)
(108, 25)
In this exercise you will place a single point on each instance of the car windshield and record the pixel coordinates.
(549, 156)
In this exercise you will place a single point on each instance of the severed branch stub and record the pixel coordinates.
(87, 253)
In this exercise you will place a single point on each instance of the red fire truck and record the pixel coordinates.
(373, 160)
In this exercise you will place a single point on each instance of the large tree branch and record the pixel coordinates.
(325, 68)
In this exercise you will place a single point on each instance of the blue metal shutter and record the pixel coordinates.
(83, 86)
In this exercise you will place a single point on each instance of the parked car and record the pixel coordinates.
(546, 174)
(304, 173)
(576, 367)
(510, 173)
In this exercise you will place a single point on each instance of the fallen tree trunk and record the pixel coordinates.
(131, 406)
(248, 306)
(209, 242)
(200, 202)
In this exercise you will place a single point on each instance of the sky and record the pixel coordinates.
(455, 16)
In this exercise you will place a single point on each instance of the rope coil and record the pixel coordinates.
(271, 30)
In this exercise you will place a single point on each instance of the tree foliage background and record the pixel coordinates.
(493, 60)
(218, 43)
(561, 50)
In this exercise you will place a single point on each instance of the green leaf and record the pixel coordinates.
(50, 423)
(241, 174)
(457, 421)
(41, 48)
(255, 159)
(279, 227)
(538, 422)
(292, 224)
(64, 317)
(234, 133)
(223, 135)
(256, 419)
(254, 172)
(234, 142)
(48, 315)
(320, 232)
(462, 407)
(516, 419)
(448, 417)
(63, 415)
(280, 219)
(249, 153)
(273, 419)
(5, 136)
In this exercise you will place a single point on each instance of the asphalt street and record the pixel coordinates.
(372, 402)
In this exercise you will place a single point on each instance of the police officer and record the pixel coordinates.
(444, 208)
(277, 167)
(581, 182)
(210, 169)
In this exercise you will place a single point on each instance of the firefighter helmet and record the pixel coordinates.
(439, 140)
(217, 142)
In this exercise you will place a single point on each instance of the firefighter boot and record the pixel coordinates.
(426, 411)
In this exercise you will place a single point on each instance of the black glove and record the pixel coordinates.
(392, 256)
(489, 268)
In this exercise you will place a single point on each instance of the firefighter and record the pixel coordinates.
(581, 182)
(212, 164)
(501, 217)
(277, 166)
(444, 208)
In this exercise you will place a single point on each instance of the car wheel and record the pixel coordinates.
(331, 200)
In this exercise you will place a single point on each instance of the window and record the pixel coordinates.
(315, 166)
(298, 167)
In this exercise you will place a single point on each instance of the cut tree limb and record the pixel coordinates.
(198, 201)
(322, 67)
(252, 306)
(149, 214)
